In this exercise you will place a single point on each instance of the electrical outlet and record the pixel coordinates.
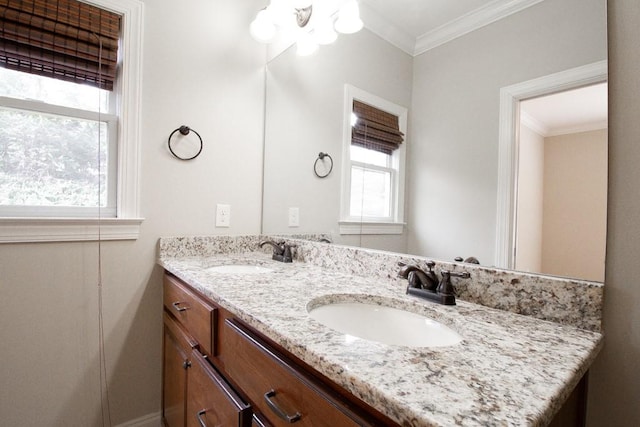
(223, 215)
(294, 217)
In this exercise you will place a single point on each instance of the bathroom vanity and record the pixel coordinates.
(241, 349)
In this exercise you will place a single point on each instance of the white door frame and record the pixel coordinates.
(510, 97)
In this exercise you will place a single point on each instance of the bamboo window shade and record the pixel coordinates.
(375, 129)
(63, 39)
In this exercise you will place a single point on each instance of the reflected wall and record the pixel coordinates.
(454, 119)
(453, 95)
(304, 116)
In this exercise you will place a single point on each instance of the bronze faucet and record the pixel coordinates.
(418, 278)
(425, 284)
(281, 250)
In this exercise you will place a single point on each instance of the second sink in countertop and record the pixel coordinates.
(508, 370)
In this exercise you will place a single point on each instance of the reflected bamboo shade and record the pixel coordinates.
(60, 39)
(376, 129)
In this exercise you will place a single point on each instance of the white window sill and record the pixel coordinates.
(28, 230)
(357, 227)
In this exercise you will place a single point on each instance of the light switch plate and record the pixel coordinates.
(294, 217)
(223, 215)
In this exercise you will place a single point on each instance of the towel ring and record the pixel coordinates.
(184, 130)
(321, 156)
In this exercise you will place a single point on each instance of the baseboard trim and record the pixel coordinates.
(149, 420)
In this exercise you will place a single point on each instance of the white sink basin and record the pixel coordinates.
(239, 269)
(384, 324)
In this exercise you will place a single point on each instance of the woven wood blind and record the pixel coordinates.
(375, 129)
(60, 39)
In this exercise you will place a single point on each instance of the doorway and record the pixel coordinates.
(561, 190)
(509, 127)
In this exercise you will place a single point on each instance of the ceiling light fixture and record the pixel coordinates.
(307, 23)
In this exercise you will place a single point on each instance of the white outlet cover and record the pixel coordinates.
(294, 217)
(223, 215)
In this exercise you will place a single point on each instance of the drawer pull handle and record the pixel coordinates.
(176, 305)
(279, 412)
(200, 420)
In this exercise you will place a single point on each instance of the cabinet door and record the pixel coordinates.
(210, 400)
(174, 378)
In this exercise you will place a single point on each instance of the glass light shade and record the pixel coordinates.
(323, 32)
(262, 28)
(305, 44)
(281, 13)
(349, 21)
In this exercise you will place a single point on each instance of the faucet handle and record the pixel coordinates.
(287, 253)
(445, 287)
(460, 274)
(418, 278)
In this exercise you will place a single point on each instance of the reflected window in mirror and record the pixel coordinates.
(372, 173)
(374, 149)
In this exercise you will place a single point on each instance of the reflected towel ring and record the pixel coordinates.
(321, 156)
(184, 130)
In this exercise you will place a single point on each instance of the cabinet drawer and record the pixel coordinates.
(277, 389)
(210, 400)
(197, 316)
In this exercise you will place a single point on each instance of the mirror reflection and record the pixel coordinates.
(450, 83)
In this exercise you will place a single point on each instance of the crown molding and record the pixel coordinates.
(546, 131)
(391, 33)
(584, 127)
(471, 21)
(533, 124)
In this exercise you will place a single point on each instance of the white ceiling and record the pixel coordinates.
(577, 110)
(416, 26)
(418, 17)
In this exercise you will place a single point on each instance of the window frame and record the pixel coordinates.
(375, 168)
(110, 120)
(394, 224)
(127, 96)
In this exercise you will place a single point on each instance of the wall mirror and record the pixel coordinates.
(448, 70)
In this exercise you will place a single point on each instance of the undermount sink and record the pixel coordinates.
(383, 324)
(239, 269)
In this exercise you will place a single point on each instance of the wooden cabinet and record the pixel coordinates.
(174, 374)
(278, 389)
(196, 315)
(194, 394)
(210, 400)
(217, 371)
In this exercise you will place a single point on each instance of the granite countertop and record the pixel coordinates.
(509, 369)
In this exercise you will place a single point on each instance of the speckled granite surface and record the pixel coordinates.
(508, 370)
(566, 301)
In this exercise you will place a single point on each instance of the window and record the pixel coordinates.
(57, 160)
(373, 171)
(69, 135)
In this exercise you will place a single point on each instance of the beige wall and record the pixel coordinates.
(49, 372)
(529, 201)
(193, 75)
(575, 205)
(304, 116)
(614, 389)
(453, 162)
